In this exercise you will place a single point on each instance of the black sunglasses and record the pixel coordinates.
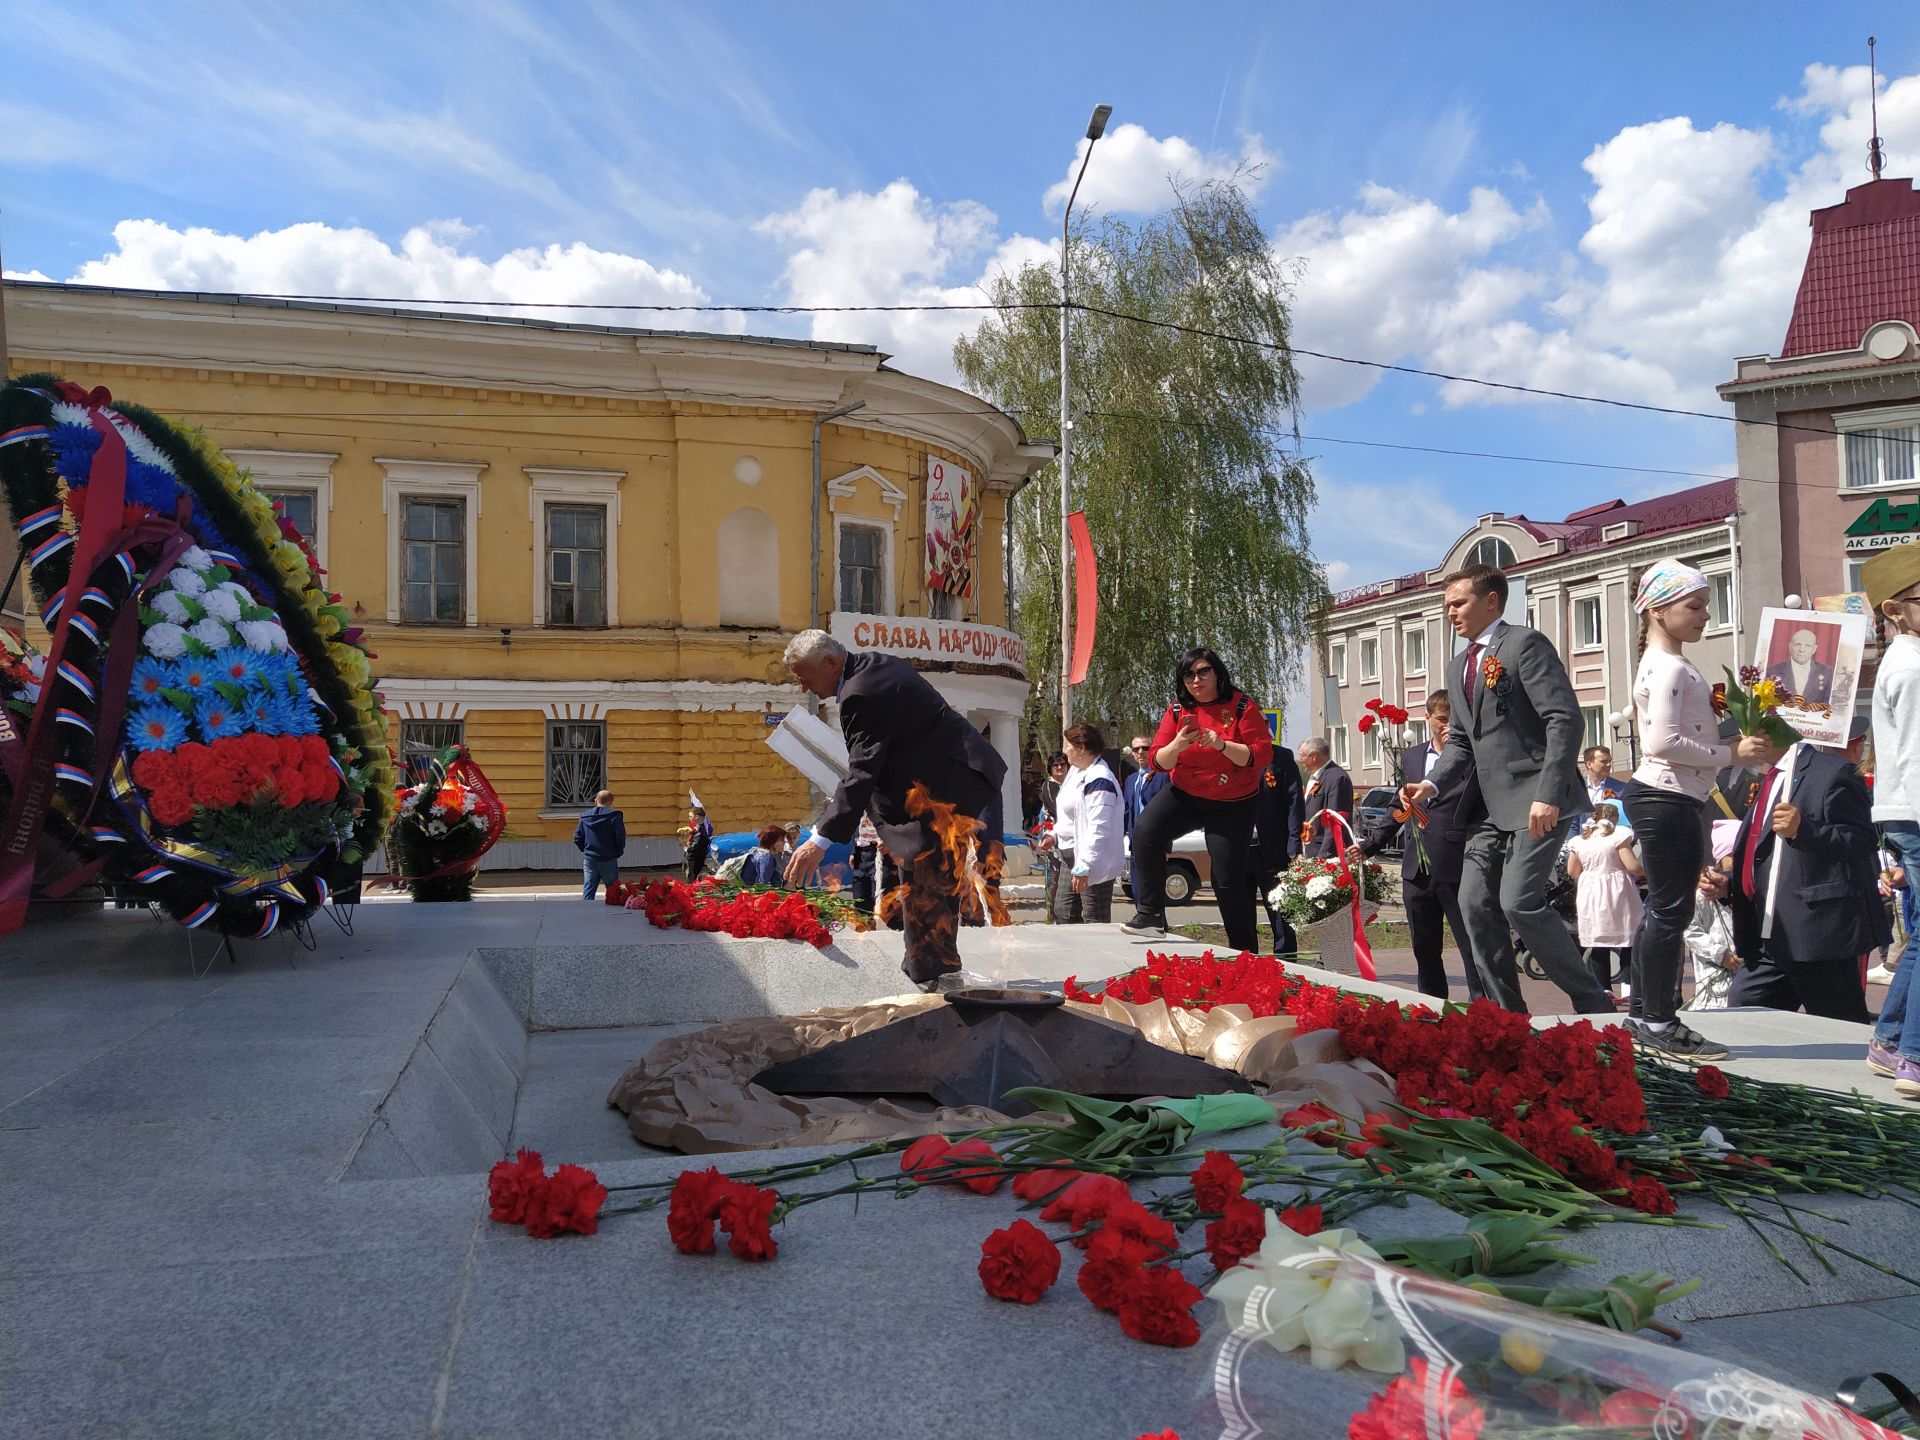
(1140, 747)
(1196, 671)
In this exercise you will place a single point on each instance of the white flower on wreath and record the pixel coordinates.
(168, 641)
(1306, 1291)
(173, 606)
(193, 558)
(1320, 887)
(223, 602)
(212, 633)
(65, 413)
(187, 582)
(263, 636)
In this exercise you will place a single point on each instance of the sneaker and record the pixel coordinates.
(1679, 1042)
(1882, 1059)
(1879, 975)
(1906, 1079)
(1150, 927)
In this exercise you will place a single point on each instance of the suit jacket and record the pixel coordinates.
(1279, 810)
(899, 730)
(1826, 870)
(1819, 680)
(1451, 818)
(1522, 736)
(1137, 792)
(1330, 789)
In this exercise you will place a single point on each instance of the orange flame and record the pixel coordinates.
(888, 908)
(976, 878)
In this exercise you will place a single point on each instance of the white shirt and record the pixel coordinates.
(1486, 635)
(1088, 823)
(1896, 731)
(1800, 677)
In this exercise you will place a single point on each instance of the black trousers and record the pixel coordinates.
(1265, 877)
(1673, 832)
(1780, 982)
(1229, 829)
(1428, 903)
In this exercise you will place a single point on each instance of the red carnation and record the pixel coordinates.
(1302, 1219)
(1375, 703)
(1086, 1202)
(1312, 1113)
(1402, 1410)
(1158, 1308)
(1649, 1196)
(513, 1184)
(171, 806)
(1105, 1282)
(982, 1180)
(570, 1200)
(154, 768)
(1216, 1181)
(925, 1153)
(1366, 723)
(690, 1210)
(746, 1214)
(1712, 1081)
(1043, 1184)
(1019, 1263)
(1236, 1234)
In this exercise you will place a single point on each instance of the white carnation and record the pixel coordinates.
(167, 641)
(65, 414)
(194, 558)
(480, 822)
(211, 633)
(1320, 887)
(187, 582)
(140, 447)
(223, 601)
(173, 606)
(263, 636)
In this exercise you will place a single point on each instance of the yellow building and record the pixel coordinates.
(579, 548)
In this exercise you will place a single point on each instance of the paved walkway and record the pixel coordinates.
(182, 1256)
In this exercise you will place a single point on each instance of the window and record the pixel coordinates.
(1491, 551)
(1338, 740)
(863, 569)
(422, 740)
(1593, 720)
(1879, 447)
(1720, 601)
(1370, 748)
(1416, 652)
(1417, 732)
(433, 557)
(576, 763)
(302, 509)
(1370, 657)
(1337, 661)
(576, 565)
(1854, 566)
(1588, 633)
(302, 481)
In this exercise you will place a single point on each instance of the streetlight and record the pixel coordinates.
(1096, 127)
(1621, 720)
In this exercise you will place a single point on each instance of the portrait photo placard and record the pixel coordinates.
(1814, 659)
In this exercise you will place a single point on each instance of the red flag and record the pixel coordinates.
(1086, 596)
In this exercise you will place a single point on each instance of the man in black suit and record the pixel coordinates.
(1328, 788)
(1278, 813)
(1821, 822)
(1800, 676)
(900, 734)
(1433, 895)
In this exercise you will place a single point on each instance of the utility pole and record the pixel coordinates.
(1096, 127)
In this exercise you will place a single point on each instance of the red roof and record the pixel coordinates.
(1863, 267)
(1585, 529)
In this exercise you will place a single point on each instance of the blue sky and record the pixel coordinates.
(1603, 199)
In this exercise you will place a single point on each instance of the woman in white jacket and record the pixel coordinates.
(1087, 832)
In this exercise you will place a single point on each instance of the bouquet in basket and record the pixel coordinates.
(1312, 889)
(443, 826)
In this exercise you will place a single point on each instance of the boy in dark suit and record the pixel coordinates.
(1279, 813)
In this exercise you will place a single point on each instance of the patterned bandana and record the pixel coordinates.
(1665, 582)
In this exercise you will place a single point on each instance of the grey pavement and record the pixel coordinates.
(248, 1200)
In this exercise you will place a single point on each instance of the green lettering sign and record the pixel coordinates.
(1883, 517)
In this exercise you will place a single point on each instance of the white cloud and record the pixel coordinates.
(434, 261)
(24, 275)
(1133, 172)
(896, 247)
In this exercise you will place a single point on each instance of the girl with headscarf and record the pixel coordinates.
(1666, 801)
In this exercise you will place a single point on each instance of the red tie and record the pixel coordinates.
(1761, 825)
(1472, 674)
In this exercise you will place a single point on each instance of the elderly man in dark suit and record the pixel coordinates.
(1517, 727)
(1800, 675)
(1812, 807)
(1278, 813)
(1432, 896)
(1329, 788)
(900, 735)
(1136, 793)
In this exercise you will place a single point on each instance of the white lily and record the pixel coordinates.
(1296, 1291)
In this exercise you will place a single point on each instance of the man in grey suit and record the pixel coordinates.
(1517, 728)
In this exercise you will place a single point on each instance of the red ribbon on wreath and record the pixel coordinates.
(1342, 832)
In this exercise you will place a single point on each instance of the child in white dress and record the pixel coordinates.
(1607, 901)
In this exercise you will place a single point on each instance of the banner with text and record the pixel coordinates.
(952, 528)
(912, 638)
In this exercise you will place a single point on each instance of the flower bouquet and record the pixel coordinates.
(747, 912)
(1394, 744)
(203, 729)
(1311, 890)
(443, 826)
(1754, 703)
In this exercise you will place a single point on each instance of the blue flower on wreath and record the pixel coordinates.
(149, 485)
(151, 675)
(297, 717)
(219, 720)
(195, 675)
(235, 666)
(266, 712)
(156, 727)
(73, 447)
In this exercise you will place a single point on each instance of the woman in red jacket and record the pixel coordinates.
(1213, 743)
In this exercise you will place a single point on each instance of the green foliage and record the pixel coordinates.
(1186, 460)
(265, 828)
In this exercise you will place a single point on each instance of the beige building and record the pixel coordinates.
(580, 549)
(1572, 579)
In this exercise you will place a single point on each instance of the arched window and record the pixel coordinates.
(1492, 551)
(749, 568)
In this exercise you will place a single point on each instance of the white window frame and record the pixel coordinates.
(1852, 422)
(1366, 675)
(274, 471)
(431, 480)
(1599, 601)
(1337, 649)
(1407, 667)
(1593, 724)
(1850, 574)
(1370, 749)
(889, 604)
(574, 487)
(1500, 543)
(1417, 730)
(1715, 577)
(1337, 745)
